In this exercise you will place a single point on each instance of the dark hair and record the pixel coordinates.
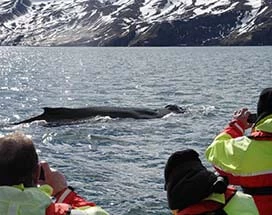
(18, 160)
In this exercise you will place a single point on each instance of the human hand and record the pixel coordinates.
(53, 178)
(242, 116)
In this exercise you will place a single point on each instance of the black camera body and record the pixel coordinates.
(42, 177)
(220, 185)
(252, 118)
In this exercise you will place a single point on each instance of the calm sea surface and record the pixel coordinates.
(119, 163)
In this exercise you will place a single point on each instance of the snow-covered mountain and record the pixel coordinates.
(135, 22)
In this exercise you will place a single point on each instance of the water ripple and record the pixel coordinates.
(119, 163)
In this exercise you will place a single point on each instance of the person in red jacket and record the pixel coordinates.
(194, 190)
(28, 187)
(247, 160)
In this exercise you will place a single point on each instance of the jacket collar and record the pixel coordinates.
(264, 124)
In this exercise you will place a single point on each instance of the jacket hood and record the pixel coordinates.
(187, 181)
(264, 106)
(264, 124)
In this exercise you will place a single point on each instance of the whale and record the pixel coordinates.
(64, 114)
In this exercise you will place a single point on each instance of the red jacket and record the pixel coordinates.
(65, 202)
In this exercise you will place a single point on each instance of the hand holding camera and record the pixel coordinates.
(245, 117)
(52, 177)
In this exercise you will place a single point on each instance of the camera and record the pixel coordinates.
(252, 118)
(41, 177)
(220, 185)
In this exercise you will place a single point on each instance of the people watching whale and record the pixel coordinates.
(192, 189)
(247, 160)
(30, 187)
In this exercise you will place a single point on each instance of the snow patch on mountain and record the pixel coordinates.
(254, 3)
(155, 10)
(215, 7)
(248, 21)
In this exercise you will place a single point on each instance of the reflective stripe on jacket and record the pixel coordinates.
(65, 209)
(232, 203)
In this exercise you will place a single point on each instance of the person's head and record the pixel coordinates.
(18, 160)
(264, 107)
(187, 181)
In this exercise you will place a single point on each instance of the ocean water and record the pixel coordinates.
(119, 163)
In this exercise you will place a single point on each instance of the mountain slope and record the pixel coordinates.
(135, 22)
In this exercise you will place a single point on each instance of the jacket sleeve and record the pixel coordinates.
(225, 153)
(235, 129)
(68, 196)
